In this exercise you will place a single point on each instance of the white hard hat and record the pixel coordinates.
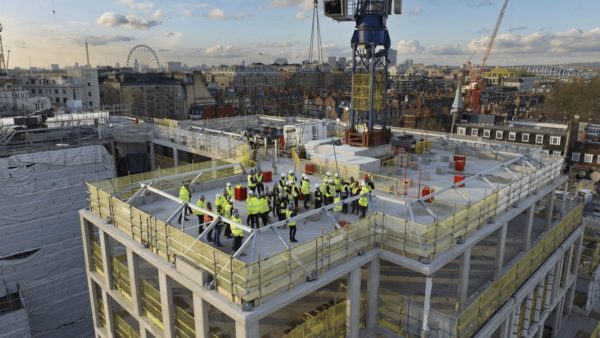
(303, 175)
(317, 185)
(328, 173)
(362, 182)
(229, 184)
(330, 180)
(282, 175)
(250, 192)
(218, 195)
(290, 171)
(336, 175)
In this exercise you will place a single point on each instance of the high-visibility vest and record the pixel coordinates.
(230, 191)
(259, 178)
(337, 183)
(199, 204)
(218, 203)
(264, 205)
(355, 190)
(325, 179)
(328, 190)
(184, 194)
(292, 177)
(364, 199)
(305, 187)
(295, 191)
(251, 181)
(236, 231)
(289, 214)
(282, 182)
(250, 205)
(318, 195)
(227, 209)
(338, 207)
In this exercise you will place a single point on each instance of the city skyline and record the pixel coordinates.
(262, 30)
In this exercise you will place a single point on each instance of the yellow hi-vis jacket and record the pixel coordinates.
(305, 187)
(199, 204)
(363, 201)
(289, 214)
(184, 194)
(235, 231)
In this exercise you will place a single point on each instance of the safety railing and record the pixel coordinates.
(151, 306)
(486, 304)
(590, 255)
(165, 162)
(392, 311)
(123, 329)
(120, 273)
(97, 264)
(184, 323)
(330, 323)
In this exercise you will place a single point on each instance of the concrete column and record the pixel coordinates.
(549, 209)
(500, 249)
(557, 317)
(353, 304)
(152, 156)
(463, 282)
(505, 327)
(106, 259)
(134, 282)
(556, 278)
(166, 302)
(175, 157)
(373, 294)
(247, 330)
(563, 208)
(426, 307)
(113, 151)
(528, 228)
(201, 311)
(108, 313)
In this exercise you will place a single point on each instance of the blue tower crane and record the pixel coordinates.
(370, 46)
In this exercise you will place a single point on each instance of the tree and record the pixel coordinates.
(579, 97)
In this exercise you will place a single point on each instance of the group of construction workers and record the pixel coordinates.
(283, 201)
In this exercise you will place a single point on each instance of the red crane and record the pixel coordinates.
(475, 76)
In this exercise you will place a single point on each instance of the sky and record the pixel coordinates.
(217, 32)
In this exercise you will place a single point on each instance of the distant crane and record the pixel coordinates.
(319, 47)
(475, 75)
(3, 69)
(370, 46)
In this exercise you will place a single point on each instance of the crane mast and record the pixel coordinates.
(475, 97)
(370, 43)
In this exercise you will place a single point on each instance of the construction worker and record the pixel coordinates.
(338, 198)
(238, 233)
(354, 190)
(186, 196)
(264, 209)
(337, 183)
(292, 177)
(252, 181)
(200, 204)
(218, 203)
(260, 187)
(363, 201)
(305, 190)
(295, 194)
(282, 182)
(328, 192)
(289, 213)
(326, 178)
(344, 194)
(252, 209)
(282, 205)
(318, 196)
(229, 190)
(207, 220)
(369, 182)
(227, 206)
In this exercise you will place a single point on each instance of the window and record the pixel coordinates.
(474, 132)
(555, 140)
(524, 137)
(588, 158)
(512, 136)
(499, 134)
(461, 130)
(598, 160)
(90, 94)
(486, 133)
(575, 157)
(539, 139)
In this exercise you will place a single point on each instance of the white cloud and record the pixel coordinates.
(408, 47)
(217, 14)
(223, 51)
(138, 5)
(188, 12)
(300, 16)
(304, 4)
(111, 19)
(159, 14)
(173, 35)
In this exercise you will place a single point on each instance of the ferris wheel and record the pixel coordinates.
(142, 59)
